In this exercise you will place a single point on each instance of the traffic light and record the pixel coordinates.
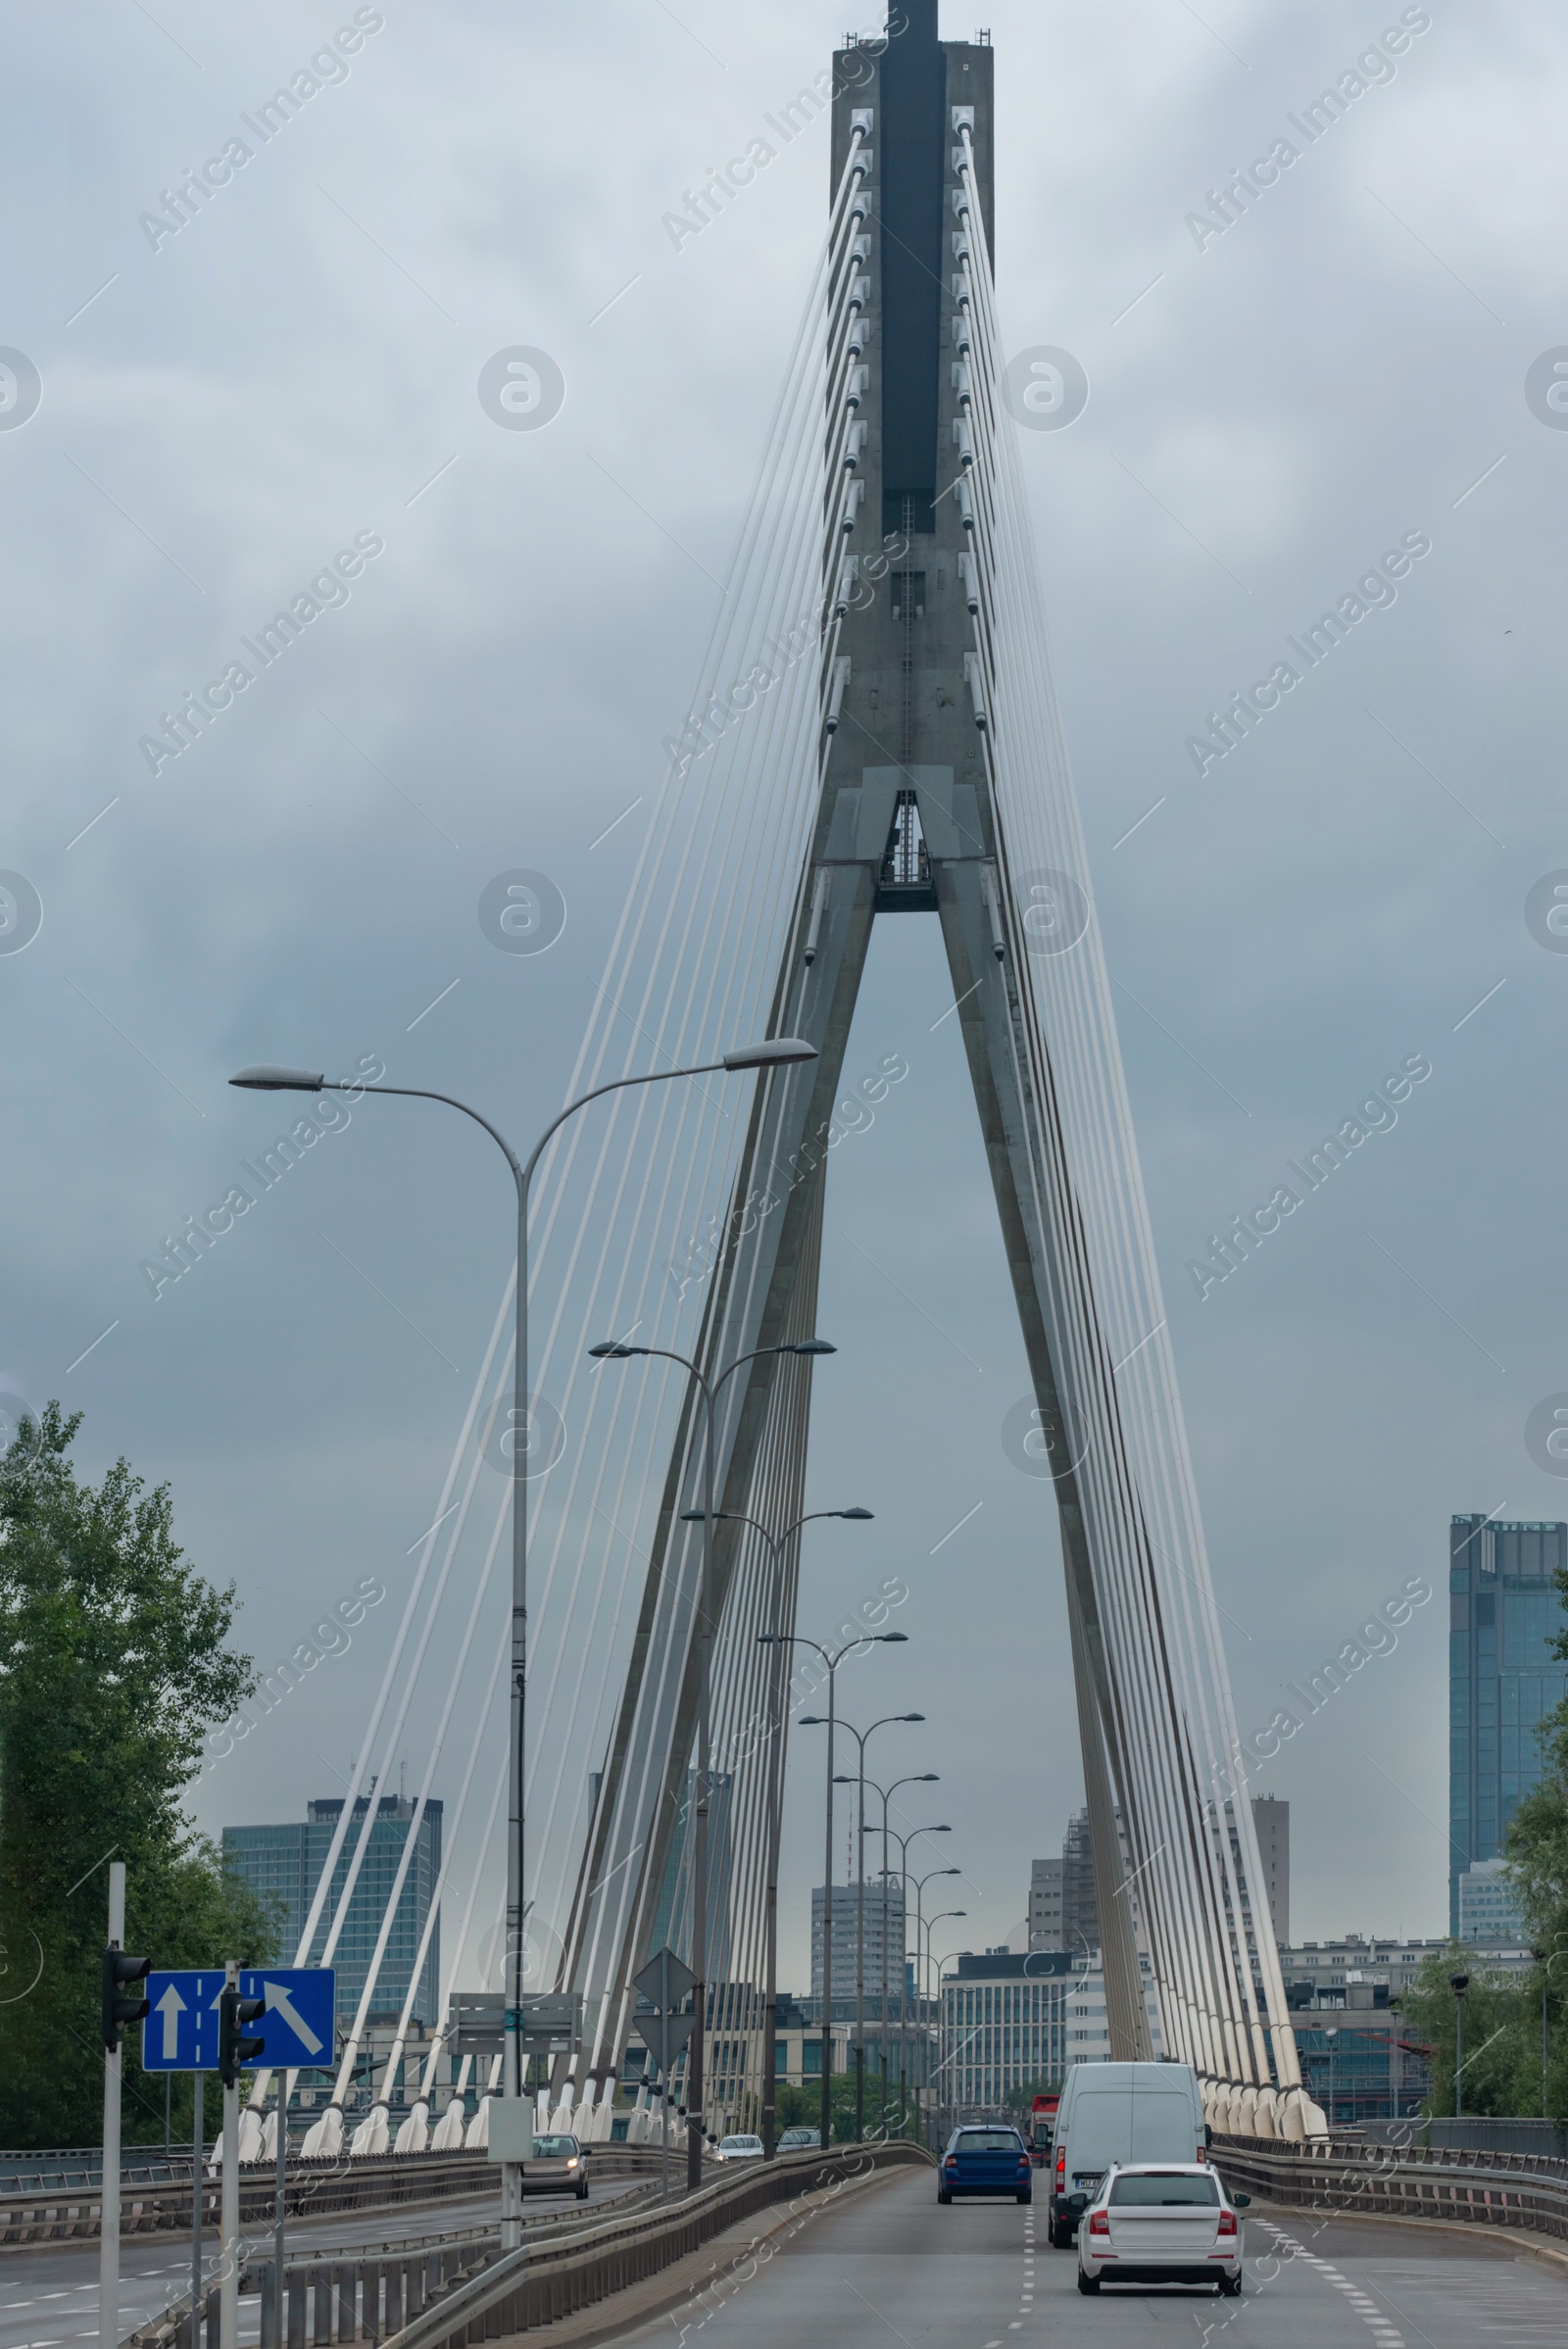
(235, 2050)
(118, 2011)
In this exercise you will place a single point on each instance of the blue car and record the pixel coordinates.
(985, 2161)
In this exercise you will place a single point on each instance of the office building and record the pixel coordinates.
(1503, 1678)
(1080, 1913)
(845, 1933)
(1272, 1819)
(1045, 1905)
(287, 1860)
(1358, 1972)
(1011, 2021)
(1489, 1914)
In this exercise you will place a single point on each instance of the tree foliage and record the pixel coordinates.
(114, 1663)
(1515, 2026)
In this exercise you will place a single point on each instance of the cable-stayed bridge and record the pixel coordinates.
(875, 731)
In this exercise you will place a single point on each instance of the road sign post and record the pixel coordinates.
(666, 1983)
(279, 2210)
(197, 2184)
(196, 2021)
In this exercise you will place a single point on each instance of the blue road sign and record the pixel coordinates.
(180, 2033)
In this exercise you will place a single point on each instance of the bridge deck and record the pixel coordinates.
(890, 2267)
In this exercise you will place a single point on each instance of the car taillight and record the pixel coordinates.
(1100, 2222)
(953, 2161)
(1227, 2222)
(1062, 2166)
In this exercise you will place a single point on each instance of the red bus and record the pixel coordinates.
(1043, 2126)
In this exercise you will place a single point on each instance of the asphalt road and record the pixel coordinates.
(49, 2298)
(895, 2269)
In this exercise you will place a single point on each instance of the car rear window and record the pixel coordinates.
(1158, 2190)
(988, 2140)
(554, 2149)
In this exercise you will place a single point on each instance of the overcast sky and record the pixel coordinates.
(222, 410)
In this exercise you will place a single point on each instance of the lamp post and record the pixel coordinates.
(904, 1842)
(930, 1923)
(921, 1777)
(1540, 1958)
(611, 1349)
(775, 1711)
(1458, 1984)
(946, 2070)
(920, 1884)
(774, 1053)
(858, 1780)
(1332, 2037)
(832, 1662)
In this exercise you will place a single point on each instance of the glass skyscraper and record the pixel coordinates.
(287, 1860)
(1502, 1679)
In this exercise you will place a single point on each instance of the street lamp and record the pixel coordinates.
(1458, 1984)
(1540, 1958)
(904, 1842)
(858, 1780)
(1332, 2035)
(921, 1777)
(771, 1052)
(612, 1349)
(930, 1923)
(947, 2069)
(832, 1662)
(920, 1884)
(775, 1708)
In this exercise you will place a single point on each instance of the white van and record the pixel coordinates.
(1119, 2113)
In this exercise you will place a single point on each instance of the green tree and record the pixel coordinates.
(1536, 1847)
(802, 2108)
(114, 1664)
(1501, 2058)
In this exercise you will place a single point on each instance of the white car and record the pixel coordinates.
(739, 2149)
(1164, 2222)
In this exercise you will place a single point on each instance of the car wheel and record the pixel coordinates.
(943, 2196)
(1060, 2237)
(1231, 2287)
(1026, 2196)
(1088, 2283)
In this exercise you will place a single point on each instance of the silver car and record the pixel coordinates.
(1160, 2223)
(740, 2148)
(558, 2165)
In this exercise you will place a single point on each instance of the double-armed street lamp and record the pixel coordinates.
(904, 1842)
(775, 1714)
(832, 1662)
(611, 1349)
(920, 1882)
(1458, 1984)
(856, 1778)
(920, 1778)
(933, 1974)
(778, 1052)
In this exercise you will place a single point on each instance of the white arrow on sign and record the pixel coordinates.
(279, 2002)
(171, 2006)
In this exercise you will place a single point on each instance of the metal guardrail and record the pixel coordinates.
(1340, 2175)
(315, 2189)
(540, 2284)
(435, 2298)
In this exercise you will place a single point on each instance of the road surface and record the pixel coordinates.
(49, 2298)
(890, 2267)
